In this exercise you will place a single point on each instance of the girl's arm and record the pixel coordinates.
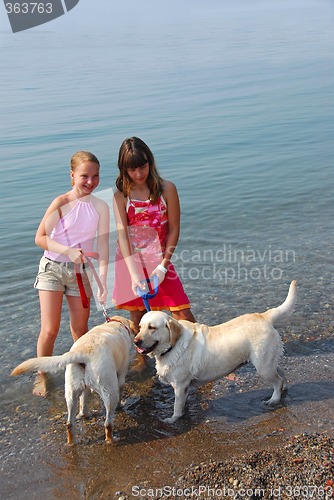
(173, 211)
(48, 222)
(119, 206)
(103, 232)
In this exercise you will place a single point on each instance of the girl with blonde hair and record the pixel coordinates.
(68, 230)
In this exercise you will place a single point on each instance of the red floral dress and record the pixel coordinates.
(148, 232)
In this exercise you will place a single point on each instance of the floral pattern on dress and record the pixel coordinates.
(148, 232)
(148, 227)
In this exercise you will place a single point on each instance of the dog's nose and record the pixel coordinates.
(137, 341)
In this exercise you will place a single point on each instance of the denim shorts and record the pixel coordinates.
(60, 277)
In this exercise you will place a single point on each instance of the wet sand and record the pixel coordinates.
(225, 421)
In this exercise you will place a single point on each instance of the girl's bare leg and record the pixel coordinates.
(79, 316)
(50, 304)
(184, 314)
(136, 316)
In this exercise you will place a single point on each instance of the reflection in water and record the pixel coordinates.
(218, 417)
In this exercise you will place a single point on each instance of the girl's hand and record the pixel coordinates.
(102, 297)
(159, 271)
(76, 255)
(137, 283)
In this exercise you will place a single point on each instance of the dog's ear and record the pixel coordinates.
(132, 327)
(174, 330)
(130, 324)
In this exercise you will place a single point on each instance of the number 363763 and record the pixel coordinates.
(28, 8)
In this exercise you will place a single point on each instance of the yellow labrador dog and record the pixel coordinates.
(99, 360)
(188, 352)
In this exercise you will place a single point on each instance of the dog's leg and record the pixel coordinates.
(72, 398)
(281, 374)
(83, 411)
(121, 384)
(181, 394)
(110, 402)
(70, 440)
(277, 394)
(74, 385)
(276, 377)
(108, 432)
(278, 380)
(266, 359)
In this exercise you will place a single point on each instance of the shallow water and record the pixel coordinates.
(223, 419)
(237, 106)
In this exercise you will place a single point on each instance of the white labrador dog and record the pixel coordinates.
(99, 360)
(188, 352)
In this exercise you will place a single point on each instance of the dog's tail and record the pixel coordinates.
(50, 364)
(272, 315)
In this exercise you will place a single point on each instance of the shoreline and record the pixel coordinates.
(225, 430)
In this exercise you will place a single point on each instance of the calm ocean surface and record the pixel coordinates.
(238, 110)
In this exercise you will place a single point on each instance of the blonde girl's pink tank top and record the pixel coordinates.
(77, 228)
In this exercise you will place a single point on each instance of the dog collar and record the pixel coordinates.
(109, 320)
(166, 352)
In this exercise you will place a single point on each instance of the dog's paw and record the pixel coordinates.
(81, 416)
(171, 420)
(270, 403)
(114, 440)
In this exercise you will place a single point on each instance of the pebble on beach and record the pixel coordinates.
(302, 467)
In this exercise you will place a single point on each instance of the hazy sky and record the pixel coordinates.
(96, 15)
(99, 14)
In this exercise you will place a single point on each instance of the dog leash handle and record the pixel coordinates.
(148, 295)
(94, 255)
(88, 256)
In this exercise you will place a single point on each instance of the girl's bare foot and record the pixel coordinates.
(39, 388)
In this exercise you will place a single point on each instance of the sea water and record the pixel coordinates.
(236, 103)
(238, 110)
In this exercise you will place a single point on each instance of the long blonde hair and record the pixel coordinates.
(135, 153)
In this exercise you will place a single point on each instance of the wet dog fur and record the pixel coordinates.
(97, 361)
(188, 352)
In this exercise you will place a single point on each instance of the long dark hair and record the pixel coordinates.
(135, 153)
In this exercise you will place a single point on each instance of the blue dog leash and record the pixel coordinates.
(149, 295)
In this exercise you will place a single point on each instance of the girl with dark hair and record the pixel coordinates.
(147, 215)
